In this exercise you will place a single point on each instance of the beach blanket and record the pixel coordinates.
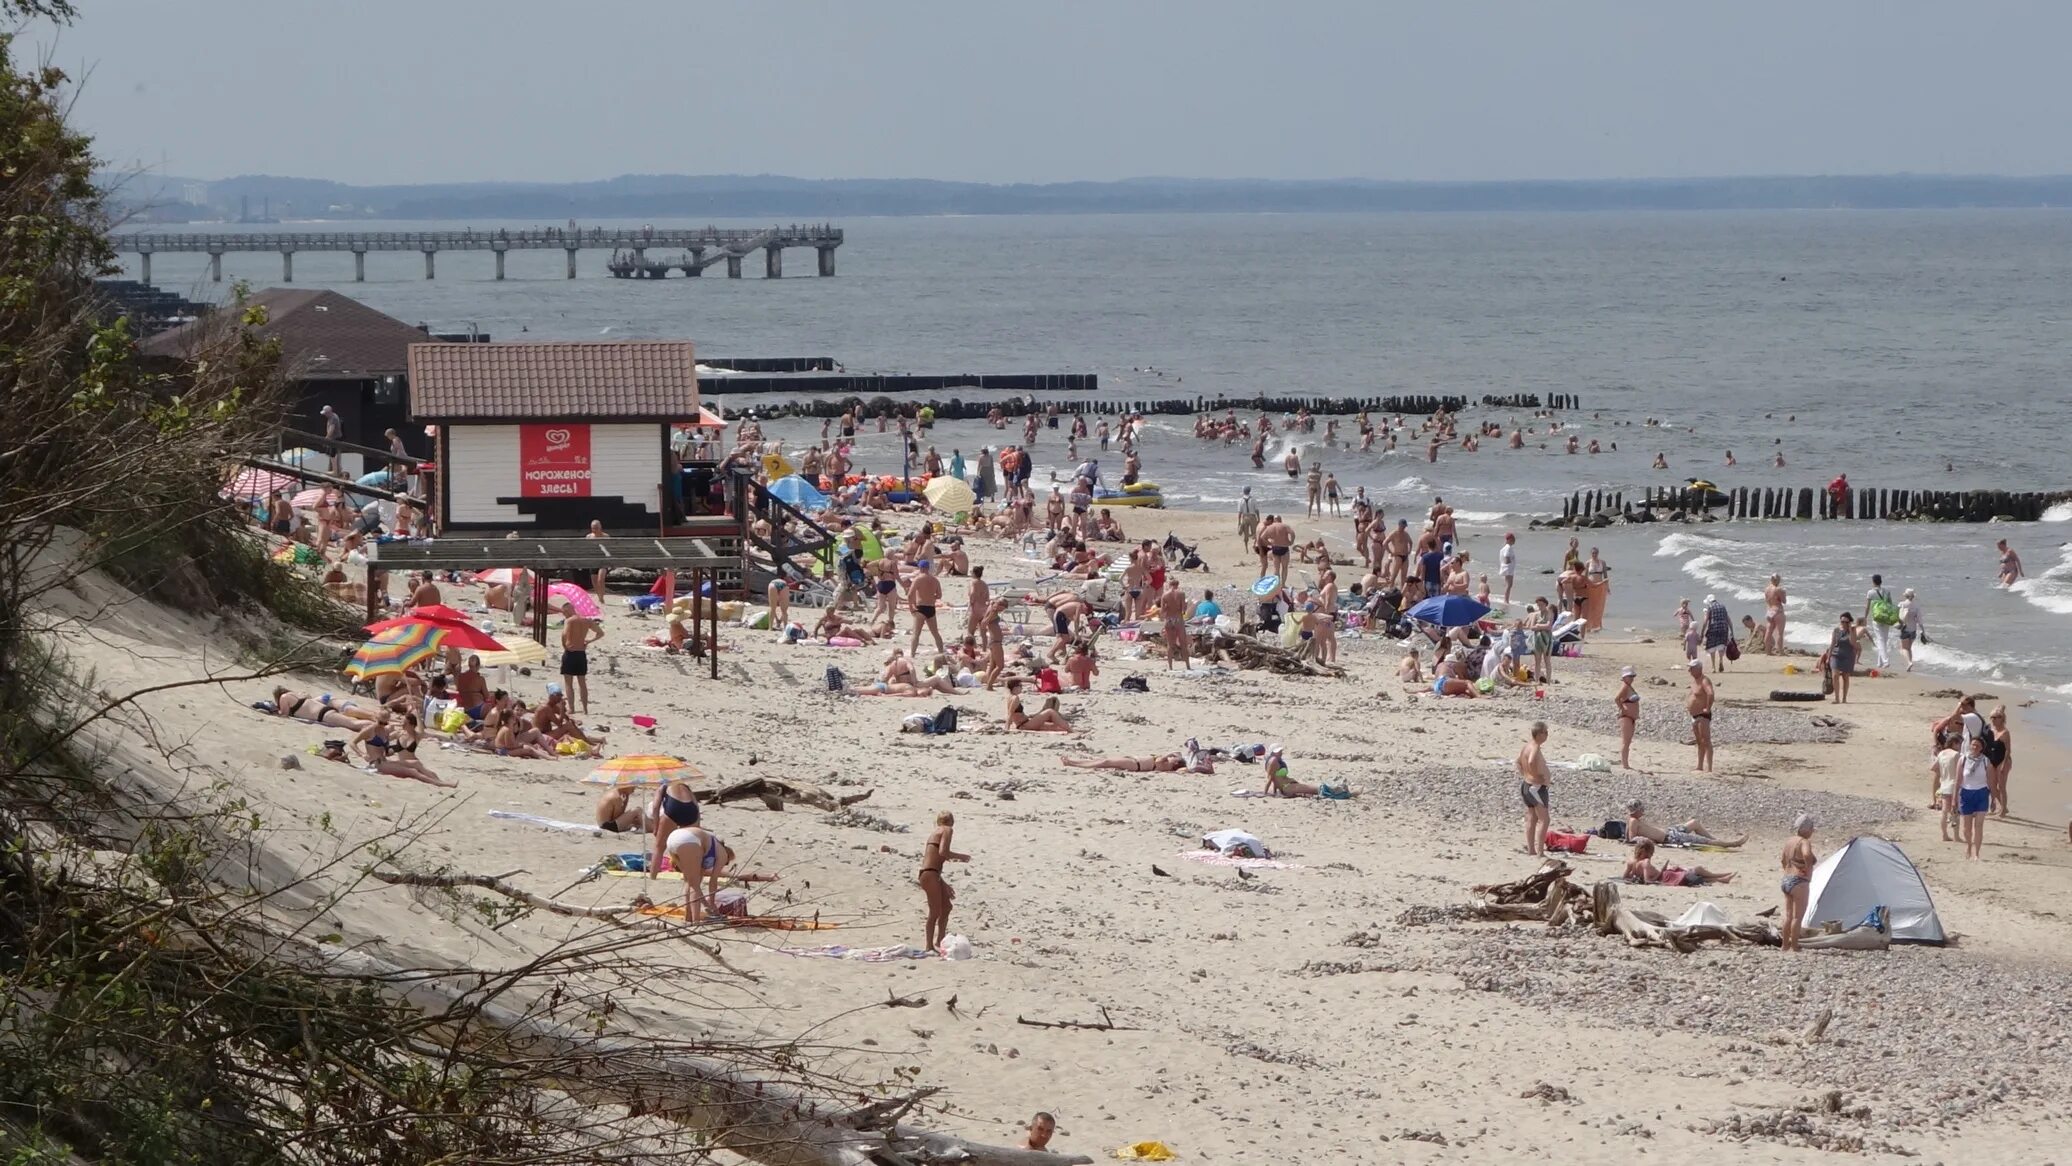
(548, 823)
(1212, 858)
(841, 951)
(766, 922)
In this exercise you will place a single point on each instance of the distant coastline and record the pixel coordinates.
(160, 198)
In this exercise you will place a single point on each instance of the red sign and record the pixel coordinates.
(554, 461)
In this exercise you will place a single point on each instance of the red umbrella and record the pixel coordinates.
(460, 632)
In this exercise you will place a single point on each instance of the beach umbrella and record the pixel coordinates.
(399, 649)
(522, 651)
(461, 633)
(507, 576)
(309, 499)
(302, 456)
(797, 491)
(382, 479)
(1448, 611)
(949, 495)
(641, 769)
(251, 485)
(584, 603)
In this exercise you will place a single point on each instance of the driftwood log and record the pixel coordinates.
(1218, 646)
(776, 793)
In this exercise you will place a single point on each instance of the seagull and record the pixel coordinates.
(1245, 875)
(1158, 872)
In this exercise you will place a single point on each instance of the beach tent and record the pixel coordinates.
(798, 492)
(1865, 874)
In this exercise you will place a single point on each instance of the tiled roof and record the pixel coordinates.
(647, 380)
(323, 335)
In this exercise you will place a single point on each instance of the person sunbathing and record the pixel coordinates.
(321, 710)
(1447, 681)
(1046, 720)
(1691, 832)
(1163, 763)
(392, 752)
(1640, 870)
(1278, 783)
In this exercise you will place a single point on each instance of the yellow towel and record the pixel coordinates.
(1146, 1152)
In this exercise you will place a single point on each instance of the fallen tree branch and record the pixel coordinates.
(1105, 1024)
(497, 884)
(776, 793)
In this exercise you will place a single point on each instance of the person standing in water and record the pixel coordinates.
(2010, 563)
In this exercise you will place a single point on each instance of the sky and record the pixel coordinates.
(385, 91)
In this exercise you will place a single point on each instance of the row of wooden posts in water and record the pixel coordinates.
(1807, 503)
(957, 409)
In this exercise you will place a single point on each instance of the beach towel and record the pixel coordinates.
(842, 951)
(548, 823)
(1146, 1152)
(764, 922)
(1211, 858)
(1235, 842)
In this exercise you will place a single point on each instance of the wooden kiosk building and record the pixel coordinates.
(535, 441)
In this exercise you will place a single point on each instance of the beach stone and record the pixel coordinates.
(290, 761)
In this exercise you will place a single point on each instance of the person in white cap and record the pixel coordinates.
(1627, 702)
(1700, 707)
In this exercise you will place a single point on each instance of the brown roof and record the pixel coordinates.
(626, 380)
(323, 336)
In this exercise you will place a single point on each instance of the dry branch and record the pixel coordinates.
(776, 794)
(1105, 1024)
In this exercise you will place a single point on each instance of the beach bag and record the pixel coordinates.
(1568, 843)
(946, 720)
(1047, 681)
(1135, 684)
(1884, 612)
(1733, 650)
(836, 682)
(1613, 830)
(452, 721)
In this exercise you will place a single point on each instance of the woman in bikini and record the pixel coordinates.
(702, 859)
(1640, 870)
(1627, 702)
(941, 897)
(1163, 763)
(393, 753)
(1046, 720)
(1797, 860)
(831, 625)
(1278, 783)
(320, 710)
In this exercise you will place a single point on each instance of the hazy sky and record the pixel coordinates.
(378, 91)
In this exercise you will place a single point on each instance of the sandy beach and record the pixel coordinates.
(1333, 1008)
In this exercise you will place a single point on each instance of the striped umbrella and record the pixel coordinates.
(398, 649)
(309, 499)
(519, 651)
(642, 769)
(507, 576)
(252, 485)
(584, 603)
(460, 632)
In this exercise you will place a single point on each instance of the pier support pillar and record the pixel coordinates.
(215, 267)
(696, 267)
(359, 266)
(144, 268)
(571, 262)
(287, 267)
(773, 262)
(827, 260)
(428, 253)
(733, 267)
(500, 262)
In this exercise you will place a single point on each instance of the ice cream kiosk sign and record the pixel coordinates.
(554, 461)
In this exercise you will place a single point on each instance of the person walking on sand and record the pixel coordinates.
(1248, 518)
(1699, 705)
(1974, 797)
(577, 634)
(976, 603)
(1797, 862)
(1719, 632)
(1773, 616)
(1535, 788)
(1627, 703)
(935, 888)
(1880, 615)
(1910, 628)
(1507, 564)
(1172, 610)
(1841, 655)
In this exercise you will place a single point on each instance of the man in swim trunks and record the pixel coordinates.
(577, 634)
(1396, 564)
(1172, 610)
(1690, 832)
(1535, 788)
(924, 592)
(1279, 537)
(1700, 707)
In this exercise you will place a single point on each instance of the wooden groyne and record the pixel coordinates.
(769, 363)
(1598, 508)
(843, 393)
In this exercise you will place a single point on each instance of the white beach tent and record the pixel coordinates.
(1867, 873)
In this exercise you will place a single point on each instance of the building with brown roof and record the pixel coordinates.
(547, 437)
(338, 352)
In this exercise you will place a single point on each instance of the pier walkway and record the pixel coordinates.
(726, 245)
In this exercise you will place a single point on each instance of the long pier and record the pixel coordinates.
(729, 246)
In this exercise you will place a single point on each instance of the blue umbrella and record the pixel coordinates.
(1448, 611)
(797, 491)
(381, 479)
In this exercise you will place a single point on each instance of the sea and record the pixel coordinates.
(1907, 349)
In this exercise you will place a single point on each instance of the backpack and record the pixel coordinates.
(1135, 684)
(1047, 681)
(1884, 612)
(945, 721)
(1991, 745)
(836, 682)
(1613, 830)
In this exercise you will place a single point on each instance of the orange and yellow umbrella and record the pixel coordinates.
(399, 649)
(641, 769)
